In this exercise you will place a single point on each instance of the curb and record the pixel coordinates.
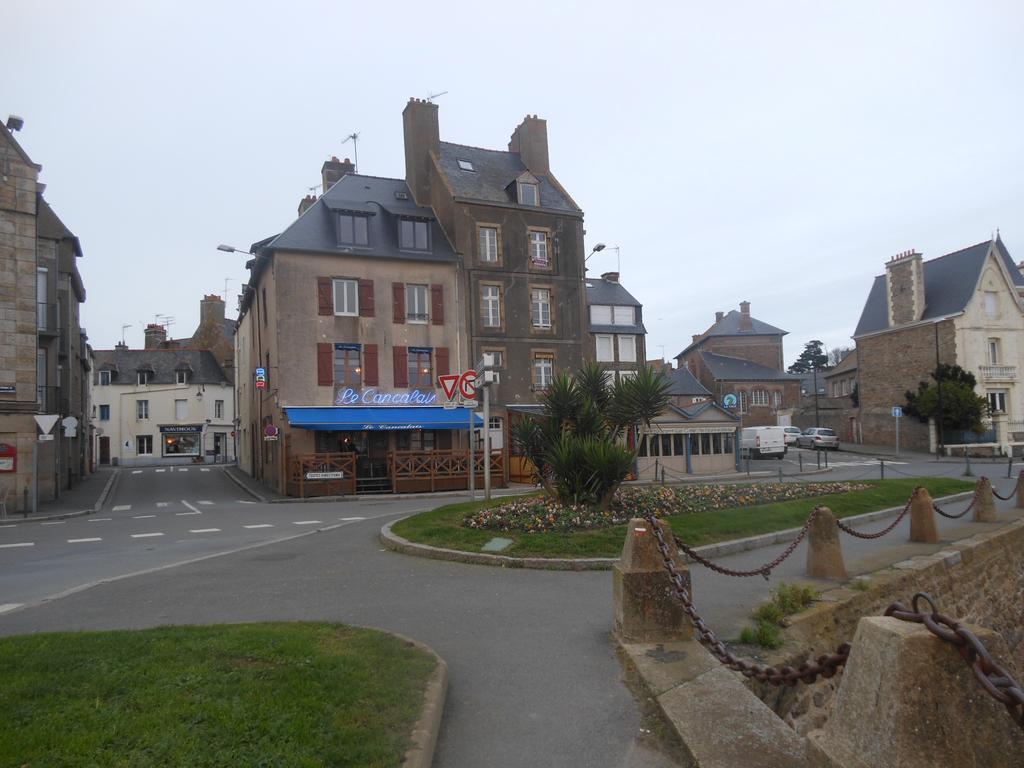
(396, 543)
(427, 727)
(243, 486)
(115, 475)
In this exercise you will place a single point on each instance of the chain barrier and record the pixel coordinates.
(950, 515)
(1000, 496)
(857, 534)
(764, 570)
(994, 678)
(824, 666)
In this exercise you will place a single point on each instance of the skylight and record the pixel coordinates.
(466, 165)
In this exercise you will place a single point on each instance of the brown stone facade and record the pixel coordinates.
(892, 363)
(763, 350)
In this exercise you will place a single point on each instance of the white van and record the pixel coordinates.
(763, 442)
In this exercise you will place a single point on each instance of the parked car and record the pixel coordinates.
(818, 437)
(761, 442)
(791, 434)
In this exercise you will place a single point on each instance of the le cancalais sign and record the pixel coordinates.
(379, 397)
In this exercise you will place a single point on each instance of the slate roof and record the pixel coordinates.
(729, 325)
(163, 363)
(685, 383)
(315, 230)
(949, 283)
(493, 171)
(697, 410)
(725, 368)
(847, 364)
(605, 292)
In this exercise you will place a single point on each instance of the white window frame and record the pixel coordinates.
(627, 348)
(623, 315)
(996, 400)
(141, 441)
(107, 412)
(536, 193)
(993, 351)
(142, 378)
(490, 306)
(540, 303)
(623, 375)
(759, 397)
(489, 244)
(600, 314)
(180, 410)
(539, 255)
(218, 409)
(417, 303)
(105, 378)
(608, 356)
(141, 410)
(181, 376)
(777, 398)
(744, 401)
(349, 297)
(543, 371)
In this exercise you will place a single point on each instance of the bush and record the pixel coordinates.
(786, 600)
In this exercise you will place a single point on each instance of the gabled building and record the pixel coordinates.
(963, 309)
(616, 334)
(739, 360)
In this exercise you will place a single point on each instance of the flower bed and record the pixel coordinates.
(533, 515)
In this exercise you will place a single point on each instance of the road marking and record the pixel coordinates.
(99, 519)
(243, 501)
(145, 535)
(191, 507)
(205, 503)
(179, 514)
(8, 526)
(161, 470)
(351, 519)
(121, 508)
(136, 471)
(80, 541)
(19, 544)
(306, 522)
(141, 517)
(161, 504)
(183, 470)
(54, 522)
(205, 530)
(261, 525)
(204, 470)
(9, 607)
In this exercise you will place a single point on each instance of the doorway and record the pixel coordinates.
(104, 449)
(218, 447)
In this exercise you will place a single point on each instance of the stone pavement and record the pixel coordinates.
(85, 496)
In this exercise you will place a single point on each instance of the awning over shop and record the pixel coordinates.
(395, 419)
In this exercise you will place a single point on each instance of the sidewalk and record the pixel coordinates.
(87, 496)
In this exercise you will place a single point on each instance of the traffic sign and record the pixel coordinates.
(458, 384)
(449, 383)
(897, 412)
(46, 422)
(467, 384)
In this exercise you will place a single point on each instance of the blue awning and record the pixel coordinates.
(357, 419)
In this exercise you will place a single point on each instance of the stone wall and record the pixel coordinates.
(979, 580)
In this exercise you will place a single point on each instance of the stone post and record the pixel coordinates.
(907, 699)
(985, 509)
(645, 609)
(1020, 490)
(922, 518)
(824, 553)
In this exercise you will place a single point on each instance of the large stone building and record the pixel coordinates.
(44, 358)
(963, 308)
(739, 359)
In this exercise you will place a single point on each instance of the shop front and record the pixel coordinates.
(384, 448)
(181, 442)
(701, 440)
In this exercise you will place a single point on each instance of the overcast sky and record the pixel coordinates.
(772, 152)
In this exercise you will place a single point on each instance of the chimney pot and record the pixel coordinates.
(333, 170)
(719, 316)
(155, 335)
(611, 277)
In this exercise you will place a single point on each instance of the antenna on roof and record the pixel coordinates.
(433, 96)
(123, 327)
(354, 138)
(226, 281)
(168, 321)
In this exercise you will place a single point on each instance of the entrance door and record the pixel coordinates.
(218, 446)
(373, 455)
(104, 449)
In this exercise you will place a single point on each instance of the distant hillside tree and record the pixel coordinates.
(812, 358)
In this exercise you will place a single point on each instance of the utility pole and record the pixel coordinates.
(938, 384)
(817, 419)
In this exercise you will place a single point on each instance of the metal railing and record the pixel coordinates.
(998, 372)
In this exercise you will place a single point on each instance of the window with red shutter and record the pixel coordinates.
(366, 305)
(325, 365)
(370, 375)
(325, 296)
(400, 359)
(441, 360)
(437, 304)
(398, 302)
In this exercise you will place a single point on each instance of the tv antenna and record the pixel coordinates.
(433, 96)
(123, 327)
(168, 321)
(618, 257)
(226, 281)
(354, 138)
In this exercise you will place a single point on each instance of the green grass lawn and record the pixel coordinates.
(442, 527)
(237, 695)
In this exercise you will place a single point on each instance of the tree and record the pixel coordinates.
(836, 355)
(962, 408)
(811, 359)
(576, 444)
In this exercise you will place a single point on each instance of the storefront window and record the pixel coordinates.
(181, 444)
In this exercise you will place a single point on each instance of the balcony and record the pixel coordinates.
(47, 319)
(998, 372)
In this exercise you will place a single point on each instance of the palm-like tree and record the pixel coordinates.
(576, 445)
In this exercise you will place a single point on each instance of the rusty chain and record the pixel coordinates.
(999, 495)
(824, 666)
(993, 677)
(854, 532)
(974, 500)
(764, 570)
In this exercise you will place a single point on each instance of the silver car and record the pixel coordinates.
(818, 437)
(790, 434)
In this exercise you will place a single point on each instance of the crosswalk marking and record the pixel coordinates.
(183, 470)
(351, 519)
(99, 519)
(145, 535)
(306, 522)
(136, 471)
(205, 530)
(141, 517)
(243, 501)
(80, 541)
(19, 544)
(205, 503)
(161, 504)
(121, 508)
(189, 506)
(204, 470)
(179, 514)
(9, 607)
(161, 470)
(261, 525)
(54, 522)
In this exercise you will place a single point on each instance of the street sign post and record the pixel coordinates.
(897, 413)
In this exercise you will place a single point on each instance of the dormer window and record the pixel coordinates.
(144, 377)
(181, 376)
(352, 229)
(528, 193)
(413, 235)
(104, 378)
(466, 165)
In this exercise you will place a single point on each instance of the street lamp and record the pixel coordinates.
(232, 249)
(597, 249)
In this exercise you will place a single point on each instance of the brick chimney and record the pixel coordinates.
(904, 284)
(611, 277)
(305, 203)
(745, 323)
(155, 335)
(422, 136)
(211, 310)
(719, 316)
(530, 140)
(333, 170)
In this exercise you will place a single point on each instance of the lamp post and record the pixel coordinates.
(817, 420)
(938, 385)
(597, 249)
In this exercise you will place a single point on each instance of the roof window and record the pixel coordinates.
(401, 196)
(466, 165)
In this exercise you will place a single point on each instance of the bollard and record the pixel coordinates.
(1009, 466)
(882, 461)
(826, 459)
(748, 465)
(922, 518)
(801, 457)
(824, 552)
(663, 475)
(967, 457)
(645, 609)
(985, 509)
(817, 453)
(780, 474)
(907, 700)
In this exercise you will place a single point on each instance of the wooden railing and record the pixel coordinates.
(412, 471)
(315, 474)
